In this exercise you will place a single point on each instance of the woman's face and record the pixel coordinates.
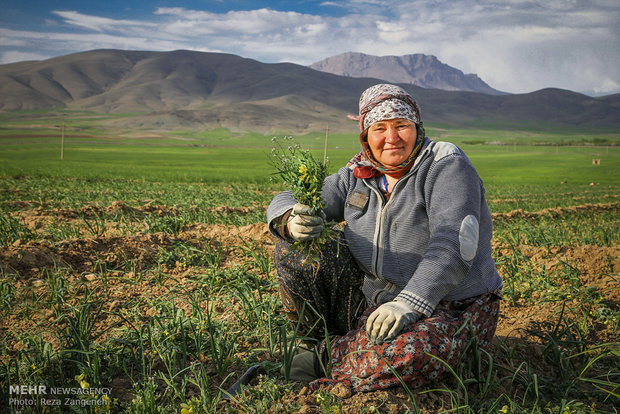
(392, 141)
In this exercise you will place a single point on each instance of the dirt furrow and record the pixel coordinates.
(556, 211)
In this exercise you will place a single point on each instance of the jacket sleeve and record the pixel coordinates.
(454, 193)
(334, 192)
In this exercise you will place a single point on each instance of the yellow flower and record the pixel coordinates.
(303, 173)
(107, 401)
(186, 409)
(504, 409)
(81, 379)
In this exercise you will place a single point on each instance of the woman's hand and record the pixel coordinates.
(305, 224)
(388, 320)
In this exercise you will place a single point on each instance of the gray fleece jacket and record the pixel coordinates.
(430, 241)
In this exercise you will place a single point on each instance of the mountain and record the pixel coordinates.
(186, 89)
(417, 69)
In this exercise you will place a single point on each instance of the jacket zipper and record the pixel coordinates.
(375, 241)
(377, 252)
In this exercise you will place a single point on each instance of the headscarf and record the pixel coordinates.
(380, 103)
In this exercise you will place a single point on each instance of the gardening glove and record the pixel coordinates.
(388, 320)
(305, 224)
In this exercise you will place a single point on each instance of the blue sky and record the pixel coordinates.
(514, 45)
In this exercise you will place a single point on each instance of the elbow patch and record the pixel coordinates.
(468, 237)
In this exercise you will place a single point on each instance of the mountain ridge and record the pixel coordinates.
(188, 89)
(418, 69)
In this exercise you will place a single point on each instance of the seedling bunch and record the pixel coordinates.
(300, 171)
(303, 175)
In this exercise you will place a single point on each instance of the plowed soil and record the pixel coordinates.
(595, 266)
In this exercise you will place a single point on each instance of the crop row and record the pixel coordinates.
(167, 296)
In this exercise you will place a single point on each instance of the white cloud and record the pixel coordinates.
(55, 43)
(16, 56)
(514, 45)
(100, 24)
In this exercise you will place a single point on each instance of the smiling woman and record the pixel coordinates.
(392, 141)
(412, 267)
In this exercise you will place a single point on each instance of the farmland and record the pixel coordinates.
(140, 266)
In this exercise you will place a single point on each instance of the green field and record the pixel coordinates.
(141, 262)
(30, 144)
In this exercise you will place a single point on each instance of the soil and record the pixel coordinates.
(595, 266)
(557, 211)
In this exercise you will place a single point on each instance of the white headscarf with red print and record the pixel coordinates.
(380, 103)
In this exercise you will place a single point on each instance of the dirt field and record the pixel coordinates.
(530, 321)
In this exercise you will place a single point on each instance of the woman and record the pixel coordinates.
(414, 275)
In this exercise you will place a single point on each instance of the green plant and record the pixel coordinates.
(11, 230)
(259, 257)
(96, 226)
(328, 403)
(476, 367)
(268, 395)
(260, 316)
(608, 382)
(146, 400)
(63, 231)
(57, 284)
(304, 176)
(562, 340)
(165, 224)
(7, 295)
(209, 397)
(289, 345)
(183, 254)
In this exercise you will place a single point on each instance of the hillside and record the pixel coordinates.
(183, 89)
(418, 69)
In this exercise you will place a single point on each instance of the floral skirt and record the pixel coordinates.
(328, 294)
(416, 354)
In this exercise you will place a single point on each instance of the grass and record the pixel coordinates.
(128, 266)
(188, 350)
(31, 145)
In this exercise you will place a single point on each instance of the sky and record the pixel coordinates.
(517, 46)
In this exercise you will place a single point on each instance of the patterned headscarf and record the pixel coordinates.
(384, 101)
(380, 103)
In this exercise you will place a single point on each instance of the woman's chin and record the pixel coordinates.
(394, 162)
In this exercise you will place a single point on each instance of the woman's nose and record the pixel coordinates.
(391, 134)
